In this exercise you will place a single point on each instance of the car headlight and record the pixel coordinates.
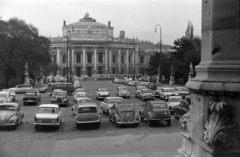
(11, 120)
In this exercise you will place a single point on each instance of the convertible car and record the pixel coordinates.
(88, 113)
(10, 115)
(48, 115)
(124, 113)
(60, 98)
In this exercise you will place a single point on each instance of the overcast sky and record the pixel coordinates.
(136, 17)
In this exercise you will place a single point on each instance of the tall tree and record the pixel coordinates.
(21, 43)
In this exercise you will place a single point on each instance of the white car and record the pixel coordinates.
(173, 101)
(21, 88)
(79, 90)
(12, 93)
(101, 93)
(166, 92)
(5, 97)
(78, 101)
(80, 94)
(48, 115)
(108, 103)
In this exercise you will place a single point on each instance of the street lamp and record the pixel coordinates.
(159, 69)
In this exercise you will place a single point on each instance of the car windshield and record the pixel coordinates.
(81, 94)
(181, 89)
(146, 91)
(85, 101)
(141, 87)
(80, 90)
(116, 100)
(3, 95)
(7, 107)
(60, 93)
(169, 90)
(122, 89)
(175, 99)
(87, 110)
(30, 93)
(160, 105)
(52, 110)
(102, 89)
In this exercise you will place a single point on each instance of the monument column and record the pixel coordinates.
(84, 62)
(211, 128)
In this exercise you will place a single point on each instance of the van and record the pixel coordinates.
(63, 86)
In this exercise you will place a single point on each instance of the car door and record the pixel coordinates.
(180, 109)
(113, 111)
(19, 113)
(145, 110)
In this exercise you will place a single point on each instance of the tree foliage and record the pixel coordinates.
(20, 43)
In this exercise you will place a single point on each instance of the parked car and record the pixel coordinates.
(156, 85)
(108, 102)
(173, 101)
(21, 88)
(80, 94)
(138, 90)
(11, 115)
(101, 93)
(79, 101)
(150, 85)
(124, 113)
(48, 115)
(166, 92)
(146, 94)
(60, 98)
(122, 92)
(12, 94)
(64, 86)
(79, 90)
(43, 90)
(88, 113)
(31, 97)
(158, 90)
(181, 109)
(5, 97)
(155, 111)
(182, 91)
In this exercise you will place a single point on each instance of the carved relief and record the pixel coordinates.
(185, 122)
(220, 130)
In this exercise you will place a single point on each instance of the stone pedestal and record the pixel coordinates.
(26, 79)
(171, 82)
(213, 129)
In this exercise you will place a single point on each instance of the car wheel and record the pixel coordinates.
(98, 125)
(15, 125)
(77, 125)
(142, 119)
(149, 122)
(168, 122)
(136, 125)
(175, 116)
(57, 127)
(36, 127)
(107, 112)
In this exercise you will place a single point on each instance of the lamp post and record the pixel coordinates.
(159, 69)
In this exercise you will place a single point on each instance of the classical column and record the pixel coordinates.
(84, 62)
(127, 59)
(110, 61)
(95, 61)
(106, 61)
(212, 125)
(73, 62)
(119, 62)
(58, 57)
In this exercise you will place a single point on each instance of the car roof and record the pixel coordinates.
(113, 97)
(157, 101)
(31, 90)
(168, 88)
(88, 104)
(10, 103)
(80, 98)
(49, 105)
(175, 96)
(5, 92)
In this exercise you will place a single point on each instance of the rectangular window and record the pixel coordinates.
(78, 58)
(113, 58)
(122, 59)
(100, 58)
(142, 59)
(89, 58)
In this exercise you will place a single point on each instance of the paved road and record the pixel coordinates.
(159, 140)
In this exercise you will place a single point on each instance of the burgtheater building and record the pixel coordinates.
(88, 48)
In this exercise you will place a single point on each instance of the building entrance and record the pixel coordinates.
(89, 71)
(78, 71)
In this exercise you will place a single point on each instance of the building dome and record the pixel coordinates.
(87, 28)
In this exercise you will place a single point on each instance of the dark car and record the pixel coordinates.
(31, 96)
(122, 92)
(124, 113)
(181, 109)
(60, 98)
(155, 111)
(63, 86)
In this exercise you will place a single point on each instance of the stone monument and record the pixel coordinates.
(26, 75)
(214, 118)
(190, 75)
